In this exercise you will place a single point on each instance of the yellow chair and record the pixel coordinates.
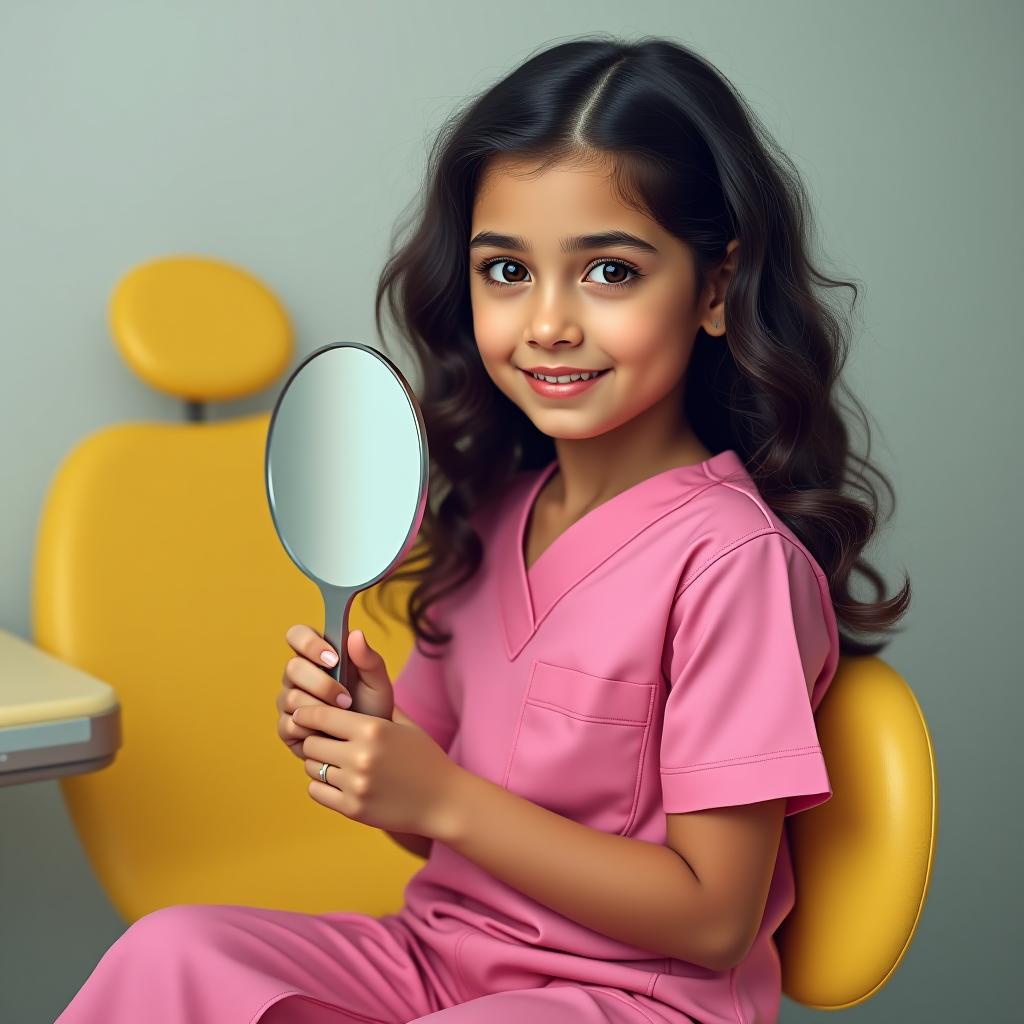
(158, 570)
(862, 861)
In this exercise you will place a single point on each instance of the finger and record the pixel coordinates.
(371, 664)
(310, 644)
(335, 775)
(295, 697)
(335, 722)
(320, 748)
(292, 734)
(330, 796)
(301, 673)
(307, 642)
(294, 729)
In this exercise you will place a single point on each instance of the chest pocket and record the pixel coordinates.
(579, 743)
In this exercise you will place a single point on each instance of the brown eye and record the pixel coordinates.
(505, 278)
(618, 275)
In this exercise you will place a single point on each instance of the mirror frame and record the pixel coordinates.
(338, 599)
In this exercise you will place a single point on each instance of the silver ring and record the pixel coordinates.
(323, 772)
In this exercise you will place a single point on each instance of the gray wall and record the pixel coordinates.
(287, 136)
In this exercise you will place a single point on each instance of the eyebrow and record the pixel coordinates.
(574, 243)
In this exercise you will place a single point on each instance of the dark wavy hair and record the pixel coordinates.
(688, 152)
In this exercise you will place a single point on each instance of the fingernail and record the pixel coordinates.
(328, 657)
(343, 700)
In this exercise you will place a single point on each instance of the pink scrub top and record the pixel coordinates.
(666, 653)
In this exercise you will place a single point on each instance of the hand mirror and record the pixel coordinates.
(346, 470)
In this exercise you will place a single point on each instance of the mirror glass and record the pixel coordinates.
(346, 475)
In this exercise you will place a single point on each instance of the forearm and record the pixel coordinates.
(640, 893)
(420, 845)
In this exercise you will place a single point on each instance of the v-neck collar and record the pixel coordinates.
(526, 595)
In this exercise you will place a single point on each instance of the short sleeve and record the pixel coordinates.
(420, 692)
(748, 647)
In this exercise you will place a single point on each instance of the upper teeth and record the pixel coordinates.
(566, 378)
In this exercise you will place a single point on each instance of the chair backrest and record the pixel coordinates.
(158, 570)
(862, 861)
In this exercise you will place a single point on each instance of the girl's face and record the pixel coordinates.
(622, 307)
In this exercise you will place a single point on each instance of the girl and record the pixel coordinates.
(639, 558)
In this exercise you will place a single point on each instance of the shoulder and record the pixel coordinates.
(732, 521)
(744, 568)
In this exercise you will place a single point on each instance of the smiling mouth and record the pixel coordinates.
(569, 378)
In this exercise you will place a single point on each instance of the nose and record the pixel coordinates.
(550, 329)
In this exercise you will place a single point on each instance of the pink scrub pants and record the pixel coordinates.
(199, 963)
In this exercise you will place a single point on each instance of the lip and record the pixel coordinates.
(560, 371)
(569, 390)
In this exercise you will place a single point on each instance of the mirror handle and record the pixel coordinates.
(337, 602)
